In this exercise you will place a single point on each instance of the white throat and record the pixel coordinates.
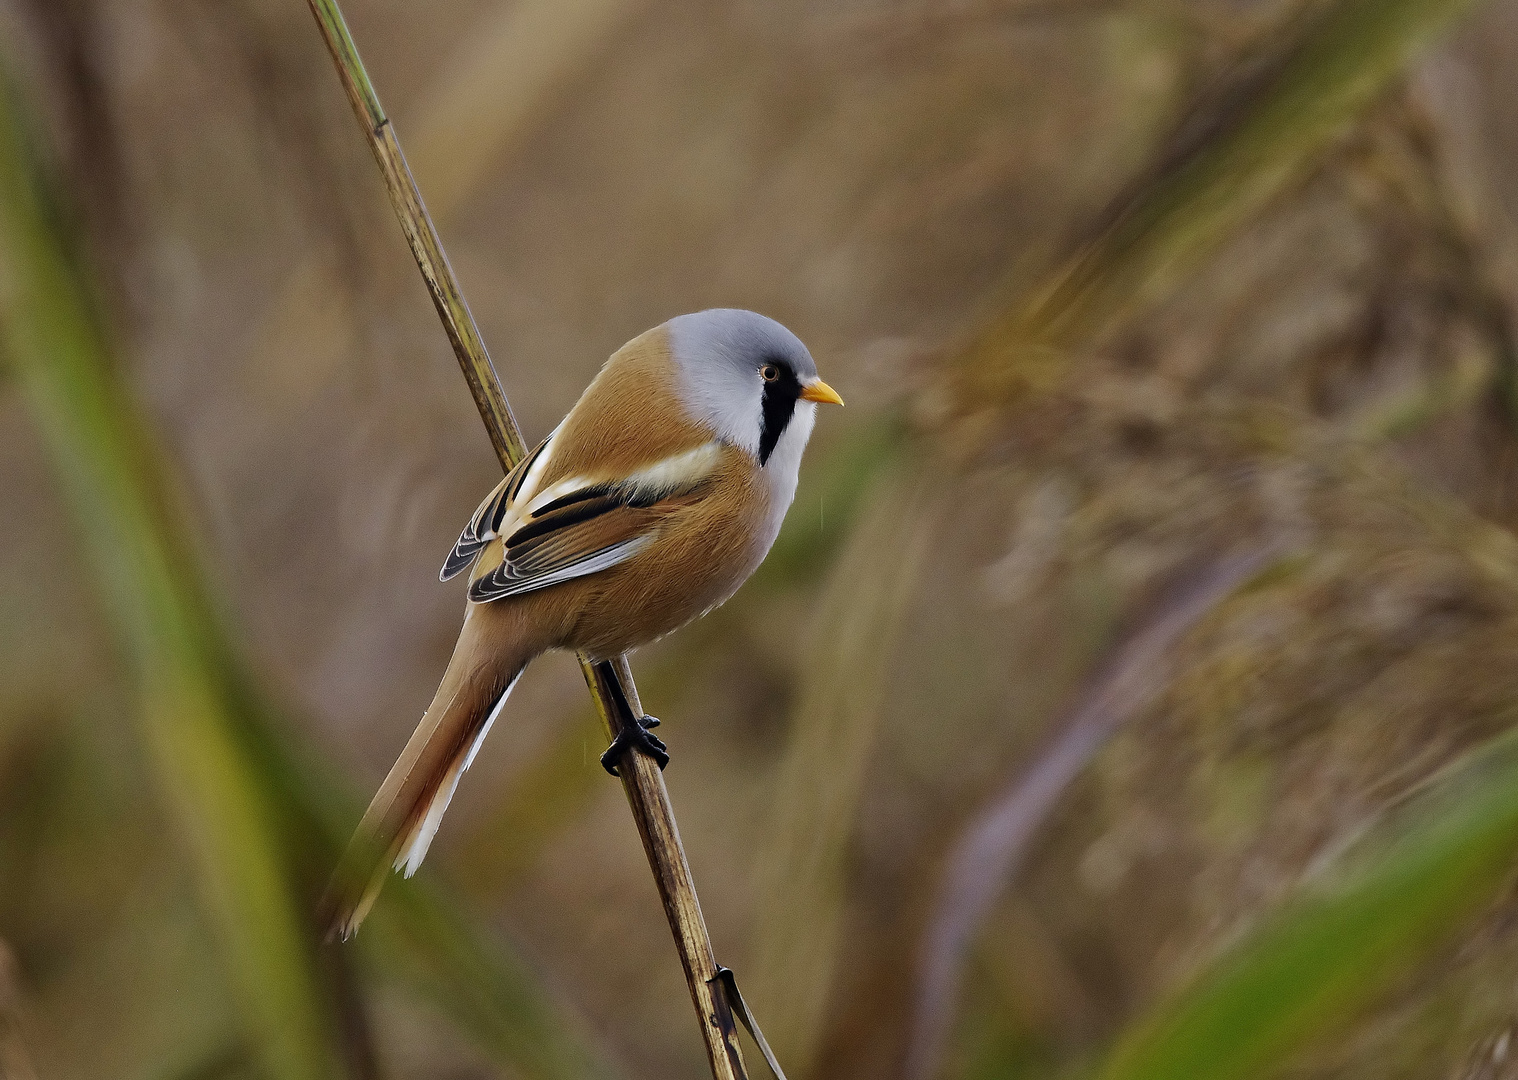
(783, 468)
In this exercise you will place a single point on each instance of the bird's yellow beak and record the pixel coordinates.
(820, 391)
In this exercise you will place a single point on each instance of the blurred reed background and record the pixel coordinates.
(1130, 694)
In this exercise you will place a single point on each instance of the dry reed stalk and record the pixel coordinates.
(641, 778)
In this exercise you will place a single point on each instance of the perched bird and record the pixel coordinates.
(654, 499)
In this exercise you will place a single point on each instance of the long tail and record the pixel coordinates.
(400, 823)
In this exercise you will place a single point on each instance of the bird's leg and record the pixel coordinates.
(632, 731)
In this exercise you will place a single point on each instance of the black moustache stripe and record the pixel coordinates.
(778, 404)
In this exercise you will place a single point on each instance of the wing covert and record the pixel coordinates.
(579, 527)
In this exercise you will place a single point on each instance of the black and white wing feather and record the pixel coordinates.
(574, 527)
(487, 519)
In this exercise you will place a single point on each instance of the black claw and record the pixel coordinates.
(648, 723)
(635, 736)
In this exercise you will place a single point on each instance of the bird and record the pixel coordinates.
(653, 500)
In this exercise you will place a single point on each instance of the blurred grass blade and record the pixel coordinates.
(487, 993)
(15, 1062)
(1284, 111)
(983, 860)
(1269, 127)
(418, 937)
(821, 778)
(122, 518)
(226, 765)
(1312, 969)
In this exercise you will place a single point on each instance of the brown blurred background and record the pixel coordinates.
(1323, 383)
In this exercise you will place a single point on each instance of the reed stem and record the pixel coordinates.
(641, 778)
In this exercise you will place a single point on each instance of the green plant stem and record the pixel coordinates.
(125, 524)
(1311, 969)
(641, 778)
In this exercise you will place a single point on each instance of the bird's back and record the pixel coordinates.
(628, 417)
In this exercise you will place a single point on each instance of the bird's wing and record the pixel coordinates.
(581, 526)
(485, 521)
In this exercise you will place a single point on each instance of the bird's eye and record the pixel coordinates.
(769, 373)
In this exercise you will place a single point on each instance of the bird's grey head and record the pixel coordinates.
(744, 375)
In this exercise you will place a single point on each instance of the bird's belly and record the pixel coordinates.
(696, 567)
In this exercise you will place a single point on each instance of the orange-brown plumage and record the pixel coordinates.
(658, 495)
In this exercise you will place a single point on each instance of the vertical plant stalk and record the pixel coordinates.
(818, 786)
(125, 526)
(641, 778)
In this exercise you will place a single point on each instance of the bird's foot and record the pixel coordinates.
(639, 736)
